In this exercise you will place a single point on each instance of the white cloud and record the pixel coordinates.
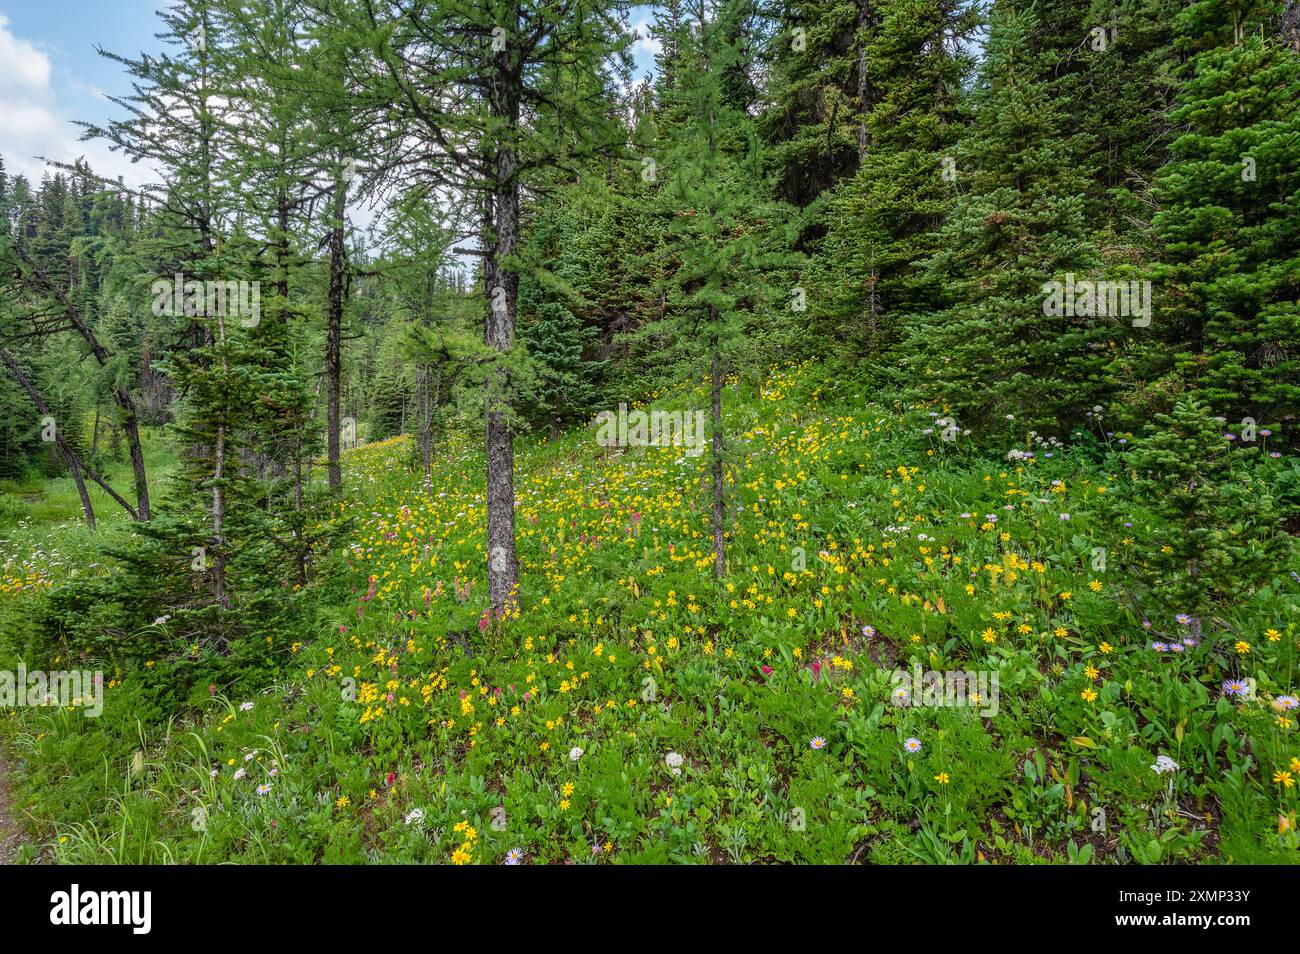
(645, 44)
(23, 68)
(32, 124)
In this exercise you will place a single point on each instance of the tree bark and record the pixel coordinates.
(502, 286)
(864, 80)
(719, 502)
(219, 592)
(334, 332)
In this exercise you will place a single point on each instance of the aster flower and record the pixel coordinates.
(1235, 687)
(912, 745)
(817, 742)
(514, 856)
(1286, 703)
(1160, 647)
(263, 789)
(1182, 619)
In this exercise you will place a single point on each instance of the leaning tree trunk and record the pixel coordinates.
(86, 508)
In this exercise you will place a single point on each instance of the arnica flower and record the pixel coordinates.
(1164, 764)
(514, 856)
(912, 745)
(1235, 687)
(1285, 779)
(818, 742)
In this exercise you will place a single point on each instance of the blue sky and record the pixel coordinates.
(50, 74)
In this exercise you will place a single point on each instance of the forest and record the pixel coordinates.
(869, 436)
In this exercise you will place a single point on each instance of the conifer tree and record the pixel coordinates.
(998, 357)
(1230, 216)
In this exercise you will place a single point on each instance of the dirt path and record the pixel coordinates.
(11, 837)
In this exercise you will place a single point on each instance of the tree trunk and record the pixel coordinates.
(864, 84)
(715, 393)
(334, 332)
(86, 508)
(502, 286)
(219, 494)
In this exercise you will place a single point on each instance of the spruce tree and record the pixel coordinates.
(997, 357)
(1229, 219)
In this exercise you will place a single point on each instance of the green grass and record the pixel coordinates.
(412, 727)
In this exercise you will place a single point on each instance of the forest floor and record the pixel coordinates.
(631, 709)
